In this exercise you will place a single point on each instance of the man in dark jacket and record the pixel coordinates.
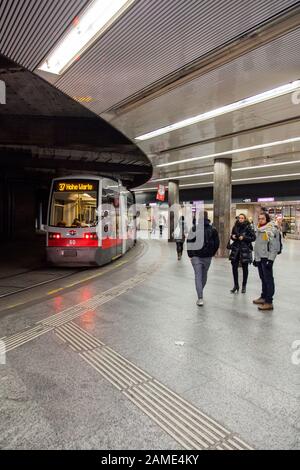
(202, 244)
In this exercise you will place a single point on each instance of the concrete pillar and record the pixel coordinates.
(222, 201)
(173, 198)
(232, 214)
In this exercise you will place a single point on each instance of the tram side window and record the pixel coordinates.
(74, 209)
(111, 205)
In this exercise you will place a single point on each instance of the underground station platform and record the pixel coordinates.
(129, 131)
(124, 359)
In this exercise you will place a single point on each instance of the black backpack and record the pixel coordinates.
(209, 242)
(209, 238)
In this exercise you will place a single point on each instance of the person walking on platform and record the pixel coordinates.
(153, 225)
(267, 247)
(179, 236)
(161, 223)
(284, 227)
(242, 236)
(203, 243)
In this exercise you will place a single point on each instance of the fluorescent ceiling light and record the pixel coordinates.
(144, 189)
(183, 176)
(233, 151)
(268, 165)
(195, 184)
(254, 167)
(266, 177)
(233, 181)
(85, 29)
(245, 179)
(229, 108)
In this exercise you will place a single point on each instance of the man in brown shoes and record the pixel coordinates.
(262, 304)
(267, 246)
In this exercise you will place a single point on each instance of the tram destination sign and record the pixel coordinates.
(75, 185)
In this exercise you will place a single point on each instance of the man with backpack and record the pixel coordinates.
(202, 245)
(267, 246)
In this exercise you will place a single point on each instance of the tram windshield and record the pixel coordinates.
(74, 204)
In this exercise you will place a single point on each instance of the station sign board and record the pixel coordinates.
(161, 190)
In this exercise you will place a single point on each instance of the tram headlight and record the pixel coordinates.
(54, 235)
(90, 236)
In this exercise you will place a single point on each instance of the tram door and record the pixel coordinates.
(118, 222)
(124, 221)
(111, 220)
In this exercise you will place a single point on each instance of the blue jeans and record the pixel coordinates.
(201, 267)
(267, 280)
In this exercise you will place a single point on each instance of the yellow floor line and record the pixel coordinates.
(54, 291)
(93, 276)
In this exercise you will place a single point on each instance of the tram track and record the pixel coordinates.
(13, 288)
(21, 282)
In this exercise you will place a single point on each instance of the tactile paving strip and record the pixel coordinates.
(191, 428)
(185, 423)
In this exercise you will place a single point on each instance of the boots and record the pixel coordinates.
(235, 289)
(259, 301)
(265, 307)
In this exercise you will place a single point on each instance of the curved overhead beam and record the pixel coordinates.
(38, 119)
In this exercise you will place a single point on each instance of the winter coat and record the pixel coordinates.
(241, 250)
(203, 241)
(267, 243)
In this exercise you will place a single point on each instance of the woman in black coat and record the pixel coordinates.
(241, 249)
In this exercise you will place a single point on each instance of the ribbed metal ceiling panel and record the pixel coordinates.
(30, 28)
(264, 68)
(156, 38)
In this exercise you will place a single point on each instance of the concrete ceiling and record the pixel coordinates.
(165, 61)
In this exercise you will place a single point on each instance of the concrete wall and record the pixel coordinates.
(20, 199)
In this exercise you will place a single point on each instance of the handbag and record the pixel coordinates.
(229, 244)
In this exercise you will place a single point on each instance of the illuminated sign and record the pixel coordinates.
(266, 199)
(71, 185)
(83, 99)
(160, 196)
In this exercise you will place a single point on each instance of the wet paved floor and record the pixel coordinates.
(223, 366)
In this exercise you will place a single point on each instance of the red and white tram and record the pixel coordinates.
(90, 221)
